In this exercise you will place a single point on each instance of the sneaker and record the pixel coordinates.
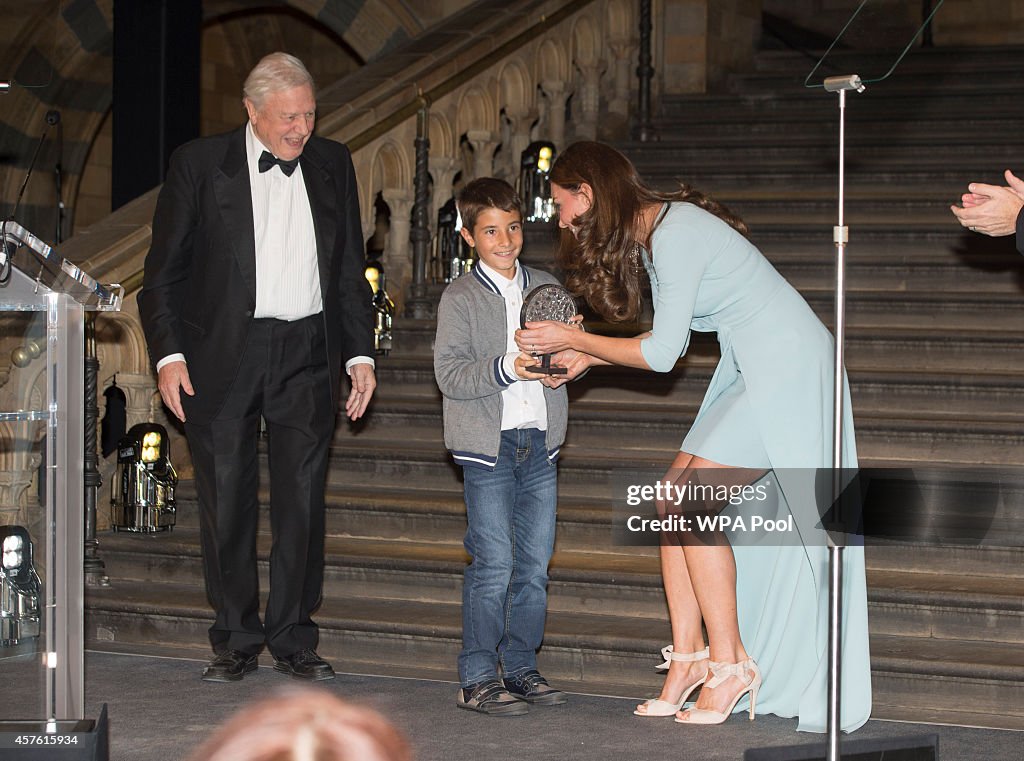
(490, 697)
(533, 688)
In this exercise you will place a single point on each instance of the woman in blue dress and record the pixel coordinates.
(767, 411)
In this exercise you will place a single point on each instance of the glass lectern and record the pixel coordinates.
(43, 300)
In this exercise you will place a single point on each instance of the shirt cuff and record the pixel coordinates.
(360, 360)
(1020, 230)
(168, 359)
(508, 364)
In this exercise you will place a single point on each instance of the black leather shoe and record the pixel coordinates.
(533, 688)
(305, 664)
(229, 666)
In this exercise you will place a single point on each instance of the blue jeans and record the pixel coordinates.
(510, 513)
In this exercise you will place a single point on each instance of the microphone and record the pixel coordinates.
(5, 86)
(844, 82)
(52, 117)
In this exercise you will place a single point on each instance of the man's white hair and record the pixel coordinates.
(274, 73)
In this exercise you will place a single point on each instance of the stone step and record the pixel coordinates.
(683, 156)
(717, 179)
(611, 581)
(596, 423)
(936, 289)
(796, 103)
(579, 648)
(368, 519)
(971, 61)
(596, 410)
(864, 129)
(918, 349)
(874, 386)
(920, 71)
(374, 455)
(981, 509)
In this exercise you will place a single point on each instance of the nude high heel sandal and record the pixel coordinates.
(746, 671)
(657, 707)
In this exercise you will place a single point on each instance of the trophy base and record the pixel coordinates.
(541, 370)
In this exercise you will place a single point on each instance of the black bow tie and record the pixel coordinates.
(267, 160)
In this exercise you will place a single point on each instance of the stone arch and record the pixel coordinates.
(476, 111)
(552, 61)
(441, 135)
(389, 168)
(586, 42)
(81, 78)
(517, 91)
(73, 79)
(390, 173)
(121, 333)
(619, 20)
(368, 28)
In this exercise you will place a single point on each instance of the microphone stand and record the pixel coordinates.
(840, 236)
(7, 254)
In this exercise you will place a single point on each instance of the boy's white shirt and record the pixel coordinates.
(523, 403)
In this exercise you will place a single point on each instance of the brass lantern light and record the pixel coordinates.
(383, 307)
(143, 489)
(534, 183)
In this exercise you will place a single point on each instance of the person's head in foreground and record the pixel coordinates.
(305, 725)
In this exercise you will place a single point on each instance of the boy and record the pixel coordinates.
(505, 429)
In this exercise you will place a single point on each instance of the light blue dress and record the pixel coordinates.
(769, 406)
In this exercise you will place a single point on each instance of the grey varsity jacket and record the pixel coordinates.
(469, 347)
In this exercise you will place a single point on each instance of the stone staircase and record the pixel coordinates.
(936, 361)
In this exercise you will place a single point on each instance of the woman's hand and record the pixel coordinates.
(576, 364)
(548, 336)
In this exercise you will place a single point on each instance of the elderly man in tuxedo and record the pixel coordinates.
(253, 300)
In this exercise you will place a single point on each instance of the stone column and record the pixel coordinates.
(520, 123)
(589, 101)
(622, 55)
(484, 143)
(557, 93)
(13, 485)
(700, 42)
(443, 170)
(397, 250)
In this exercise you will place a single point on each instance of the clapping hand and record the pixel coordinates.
(991, 209)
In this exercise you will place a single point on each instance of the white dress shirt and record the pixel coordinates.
(287, 279)
(522, 403)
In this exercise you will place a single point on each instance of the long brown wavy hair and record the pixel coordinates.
(598, 261)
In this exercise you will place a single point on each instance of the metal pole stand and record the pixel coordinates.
(840, 236)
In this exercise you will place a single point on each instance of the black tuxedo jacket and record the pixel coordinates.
(199, 286)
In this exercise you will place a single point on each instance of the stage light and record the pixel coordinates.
(19, 588)
(142, 497)
(534, 184)
(383, 307)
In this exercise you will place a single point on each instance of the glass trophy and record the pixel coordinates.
(547, 302)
